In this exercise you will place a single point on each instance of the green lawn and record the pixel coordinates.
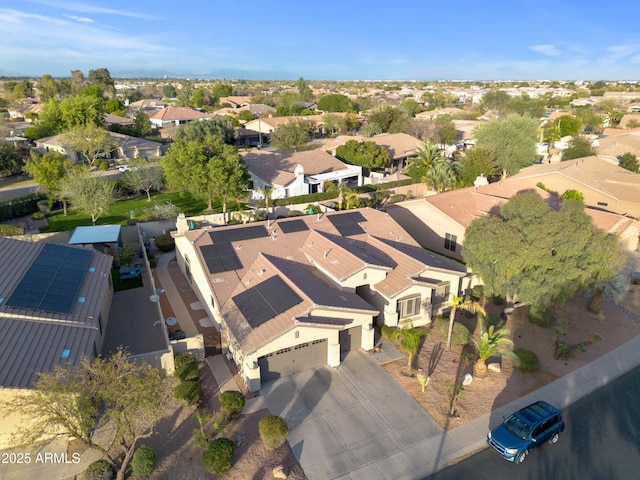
(120, 211)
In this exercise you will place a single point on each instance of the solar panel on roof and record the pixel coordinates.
(347, 223)
(220, 257)
(238, 234)
(266, 300)
(291, 226)
(53, 280)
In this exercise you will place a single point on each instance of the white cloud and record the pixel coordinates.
(80, 19)
(546, 49)
(86, 8)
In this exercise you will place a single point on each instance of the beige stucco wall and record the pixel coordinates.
(10, 422)
(427, 225)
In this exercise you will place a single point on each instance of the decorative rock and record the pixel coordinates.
(494, 367)
(279, 472)
(467, 380)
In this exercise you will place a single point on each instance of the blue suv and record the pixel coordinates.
(525, 430)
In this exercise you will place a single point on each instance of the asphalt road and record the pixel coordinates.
(601, 442)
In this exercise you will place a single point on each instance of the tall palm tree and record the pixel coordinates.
(266, 191)
(426, 156)
(492, 342)
(458, 303)
(440, 176)
(410, 339)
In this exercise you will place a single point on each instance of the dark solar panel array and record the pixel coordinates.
(238, 234)
(292, 226)
(220, 257)
(266, 300)
(52, 282)
(347, 223)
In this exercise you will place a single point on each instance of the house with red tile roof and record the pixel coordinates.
(301, 292)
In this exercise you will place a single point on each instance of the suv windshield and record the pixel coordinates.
(517, 427)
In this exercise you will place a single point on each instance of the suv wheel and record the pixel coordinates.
(521, 458)
(555, 438)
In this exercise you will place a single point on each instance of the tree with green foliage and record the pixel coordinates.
(292, 136)
(102, 78)
(142, 124)
(446, 132)
(579, 146)
(589, 118)
(48, 88)
(76, 401)
(333, 123)
(537, 255)
(305, 94)
(525, 105)
(335, 102)
(220, 90)
(82, 110)
(144, 176)
(440, 176)
(48, 171)
(629, 161)
(10, 159)
(425, 158)
(410, 107)
(49, 121)
(218, 458)
(511, 141)
(88, 140)
(208, 169)
(169, 91)
(273, 431)
(387, 118)
(495, 99)
(246, 116)
(88, 193)
(475, 162)
(365, 154)
(221, 127)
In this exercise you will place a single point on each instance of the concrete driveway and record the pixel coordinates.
(353, 422)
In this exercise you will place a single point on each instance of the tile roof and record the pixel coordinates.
(383, 244)
(177, 113)
(400, 145)
(278, 167)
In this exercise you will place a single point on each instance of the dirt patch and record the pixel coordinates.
(611, 328)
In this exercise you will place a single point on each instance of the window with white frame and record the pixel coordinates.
(408, 307)
(441, 293)
(450, 242)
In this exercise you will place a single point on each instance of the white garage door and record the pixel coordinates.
(294, 359)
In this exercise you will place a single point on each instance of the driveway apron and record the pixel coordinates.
(350, 422)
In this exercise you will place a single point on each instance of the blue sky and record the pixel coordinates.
(347, 39)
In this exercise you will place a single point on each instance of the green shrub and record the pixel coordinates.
(7, 230)
(497, 299)
(232, 403)
(184, 362)
(313, 208)
(460, 335)
(398, 197)
(43, 206)
(218, 457)
(100, 470)
(477, 292)
(273, 431)
(165, 242)
(143, 461)
(37, 216)
(539, 317)
(529, 361)
(104, 166)
(390, 333)
(188, 392)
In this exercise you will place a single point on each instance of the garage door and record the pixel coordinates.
(350, 339)
(294, 359)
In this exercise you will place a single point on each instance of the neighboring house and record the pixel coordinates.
(55, 302)
(617, 145)
(176, 116)
(433, 114)
(439, 222)
(269, 124)
(465, 129)
(630, 120)
(300, 293)
(604, 184)
(299, 173)
(123, 122)
(18, 112)
(257, 109)
(236, 101)
(308, 105)
(633, 108)
(148, 105)
(128, 147)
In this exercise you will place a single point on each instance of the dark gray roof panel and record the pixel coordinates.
(266, 300)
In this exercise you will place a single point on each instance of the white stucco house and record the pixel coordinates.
(299, 173)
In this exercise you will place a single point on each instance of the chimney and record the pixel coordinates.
(182, 225)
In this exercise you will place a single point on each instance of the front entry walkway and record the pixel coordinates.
(351, 422)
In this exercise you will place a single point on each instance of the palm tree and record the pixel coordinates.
(425, 157)
(460, 303)
(440, 176)
(493, 342)
(615, 288)
(266, 191)
(410, 339)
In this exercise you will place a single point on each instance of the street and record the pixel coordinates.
(601, 441)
